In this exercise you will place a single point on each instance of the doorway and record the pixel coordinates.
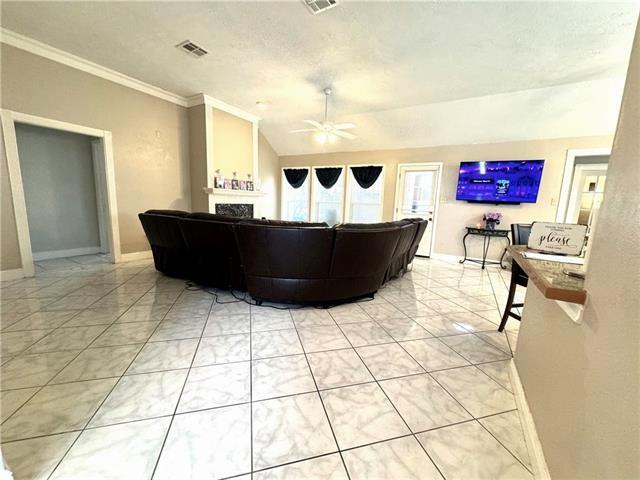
(61, 192)
(579, 165)
(28, 218)
(417, 195)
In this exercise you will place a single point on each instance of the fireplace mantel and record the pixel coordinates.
(235, 193)
(226, 196)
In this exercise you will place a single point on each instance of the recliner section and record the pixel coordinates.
(294, 262)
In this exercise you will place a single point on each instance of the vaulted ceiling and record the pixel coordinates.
(407, 73)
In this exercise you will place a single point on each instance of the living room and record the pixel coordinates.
(319, 239)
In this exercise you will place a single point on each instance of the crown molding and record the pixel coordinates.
(47, 51)
(30, 45)
(202, 98)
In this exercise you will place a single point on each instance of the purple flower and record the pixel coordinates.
(492, 216)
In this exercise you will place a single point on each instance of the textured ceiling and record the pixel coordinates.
(408, 73)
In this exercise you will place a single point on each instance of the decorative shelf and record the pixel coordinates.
(233, 193)
(550, 278)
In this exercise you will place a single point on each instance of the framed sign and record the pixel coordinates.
(558, 238)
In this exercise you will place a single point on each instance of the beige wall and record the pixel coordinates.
(270, 178)
(455, 215)
(581, 381)
(150, 136)
(232, 144)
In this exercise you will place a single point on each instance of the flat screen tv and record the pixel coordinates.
(500, 181)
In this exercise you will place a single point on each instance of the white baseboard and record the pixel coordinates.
(15, 274)
(536, 455)
(72, 252)
(130, 257)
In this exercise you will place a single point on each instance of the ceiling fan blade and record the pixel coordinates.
(314, 123)
(344, 126)
(302, 130)
(342, 134)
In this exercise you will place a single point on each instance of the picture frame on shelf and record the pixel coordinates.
(243, 185)
(227, 183)
(235, 184)
(250, 185)
(219, 182)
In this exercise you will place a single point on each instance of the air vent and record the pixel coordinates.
(192, 49)
(318, 6)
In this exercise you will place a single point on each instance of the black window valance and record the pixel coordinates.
(296, 176)
(328, 176)
(366, 176)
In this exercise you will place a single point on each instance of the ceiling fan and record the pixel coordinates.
(327, 131)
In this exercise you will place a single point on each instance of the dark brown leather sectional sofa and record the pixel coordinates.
(293, 262)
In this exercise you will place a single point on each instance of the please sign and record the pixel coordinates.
(559, 238)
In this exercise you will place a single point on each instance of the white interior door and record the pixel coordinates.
(417, 196)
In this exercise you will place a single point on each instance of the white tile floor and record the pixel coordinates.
(116, 372)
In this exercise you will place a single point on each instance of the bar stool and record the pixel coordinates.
(520, 236)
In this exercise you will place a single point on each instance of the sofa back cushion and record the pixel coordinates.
(285, 251)
(363, 250)
(162, 228)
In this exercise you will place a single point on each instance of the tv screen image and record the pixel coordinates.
(500, 181)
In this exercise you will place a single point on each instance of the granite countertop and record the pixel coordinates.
(550, 278)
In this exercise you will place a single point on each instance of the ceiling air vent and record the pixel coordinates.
(317, 6)
(192, 49)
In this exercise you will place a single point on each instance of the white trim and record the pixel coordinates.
(232, 193)
(417, 166)
(47, 51)
(203, 98)
(72, 252)
(256, 153)
(9, 119)
(534, 447)
(567, 176)
(98, 162)
(15, 274)
(17, 192)
(134, 256)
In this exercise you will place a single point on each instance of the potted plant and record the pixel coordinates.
(491, 219)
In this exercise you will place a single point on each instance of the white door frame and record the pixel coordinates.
(9, 119)
(347, 197)
(567, 176)
(396, 204)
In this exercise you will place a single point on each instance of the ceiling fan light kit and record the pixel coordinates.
(327, 131)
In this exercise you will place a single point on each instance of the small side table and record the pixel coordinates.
(486, 235)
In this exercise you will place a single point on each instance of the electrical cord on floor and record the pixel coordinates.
(192, 287)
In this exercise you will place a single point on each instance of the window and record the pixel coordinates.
(364, 205)
(295, 201)
(327, 194)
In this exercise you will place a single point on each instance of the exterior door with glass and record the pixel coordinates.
(417, 196)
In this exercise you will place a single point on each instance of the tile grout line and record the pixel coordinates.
(115, 384)
(389, 400)
(326, 414)
(186, 378)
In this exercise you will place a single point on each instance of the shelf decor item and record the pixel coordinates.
(249, 183)
(491, 219)
(218, 181)
(235, 184)
(243, 184)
